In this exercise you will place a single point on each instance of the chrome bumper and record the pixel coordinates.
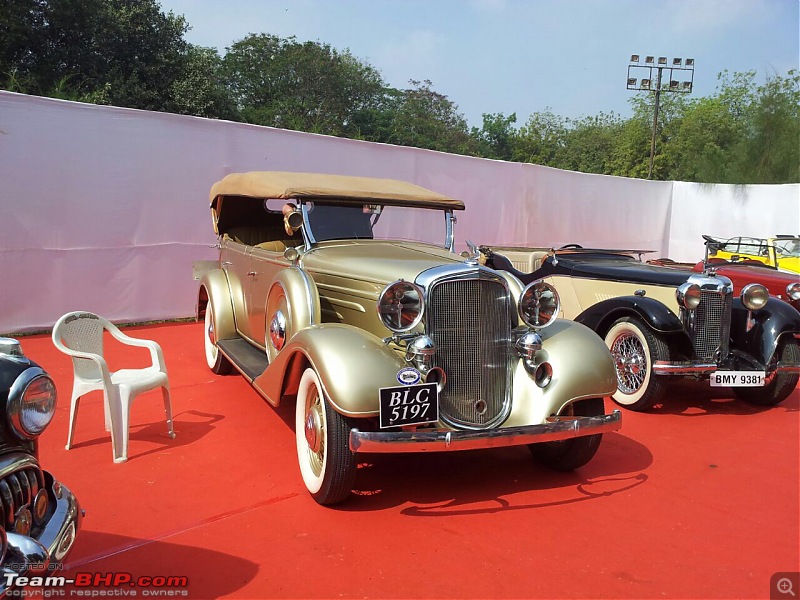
(24, 553)
(439, 441)
(688, 368)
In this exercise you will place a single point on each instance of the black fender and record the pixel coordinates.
(602, 315)
(757, 333)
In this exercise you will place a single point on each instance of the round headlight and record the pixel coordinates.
(539, 304)
(793, 290)
(400, 306)
(688, 295)
(754, 296)
(31, 403)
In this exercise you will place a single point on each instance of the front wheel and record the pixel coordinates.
(215, 360)
(779, 385)
(635, 349)
(568, 455)
(327, 464)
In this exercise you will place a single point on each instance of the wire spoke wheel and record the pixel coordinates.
(630, 360)
(635, 349)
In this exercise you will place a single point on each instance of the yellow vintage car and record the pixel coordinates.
(344, 295)
(782, 251)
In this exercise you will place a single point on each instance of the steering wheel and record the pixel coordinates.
(571, 246)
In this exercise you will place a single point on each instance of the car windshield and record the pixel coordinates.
(788, 247)
(374, 221)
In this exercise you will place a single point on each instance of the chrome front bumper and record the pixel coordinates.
(688, 368)
(24, 553)
(558, 429)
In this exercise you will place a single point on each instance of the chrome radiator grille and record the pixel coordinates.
(18, 489)
(711, 325)
(470, 322)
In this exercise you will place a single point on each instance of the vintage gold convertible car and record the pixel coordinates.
(344, 295)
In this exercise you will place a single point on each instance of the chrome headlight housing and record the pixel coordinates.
(31, 403)
(401, 306)
(793, 290)
(754, 296)
(539, 304)
(688, 295)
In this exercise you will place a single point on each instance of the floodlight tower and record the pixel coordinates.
(680, 77)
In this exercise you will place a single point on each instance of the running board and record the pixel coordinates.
(246, 358)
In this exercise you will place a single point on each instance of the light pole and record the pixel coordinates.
(680, 78)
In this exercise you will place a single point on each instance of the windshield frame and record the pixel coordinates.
(310, 240)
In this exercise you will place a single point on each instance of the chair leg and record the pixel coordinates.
(73, 415)
(107, 416)
(119, 411)
(168, 409)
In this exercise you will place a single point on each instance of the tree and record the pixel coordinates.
(772, 152)
(199, 90)
(497, 137)
(126, 49)
(589, 144)
(305, 86)
(423, 118)
(540, 139)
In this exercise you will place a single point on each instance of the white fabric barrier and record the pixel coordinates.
(106, 209)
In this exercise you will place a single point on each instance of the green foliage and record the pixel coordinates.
(589, 145)
(305, 86)
(497, 137)
(423, 118)
(540, 139)
(129, 53)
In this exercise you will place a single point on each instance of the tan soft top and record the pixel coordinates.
(289, 185)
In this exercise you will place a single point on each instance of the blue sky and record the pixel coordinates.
(521, 56)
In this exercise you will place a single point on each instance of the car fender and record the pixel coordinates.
(301, 294)
(214, 289)
(757, 333)
(591, 375)
(599, 317)
(352, 366)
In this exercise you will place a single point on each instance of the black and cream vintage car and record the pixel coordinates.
(661, 323)
(344, 294)
(40, 516)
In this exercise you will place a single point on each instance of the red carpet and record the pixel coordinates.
(698, 499)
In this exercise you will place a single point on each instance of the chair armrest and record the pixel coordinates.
(156, 354)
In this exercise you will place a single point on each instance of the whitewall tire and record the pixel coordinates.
(327, 465)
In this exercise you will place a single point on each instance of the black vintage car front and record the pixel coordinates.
(40, 516)
(661, 322)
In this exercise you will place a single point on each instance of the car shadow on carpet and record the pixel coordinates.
(477, 481)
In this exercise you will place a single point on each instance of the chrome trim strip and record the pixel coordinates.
(439, 441)
(449, 238)
(16, 462)
(687, 368)
(683, 368)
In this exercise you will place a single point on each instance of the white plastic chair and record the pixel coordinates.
(80, 335)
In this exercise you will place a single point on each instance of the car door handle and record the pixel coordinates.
(227, 263)
(252, 274)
